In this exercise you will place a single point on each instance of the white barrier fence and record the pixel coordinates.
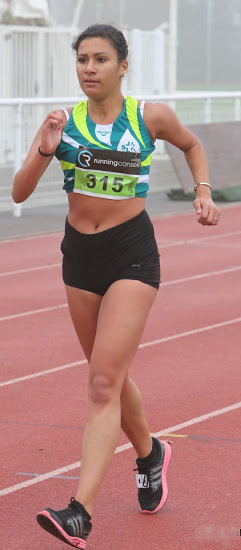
(39, 61)
(192, 108)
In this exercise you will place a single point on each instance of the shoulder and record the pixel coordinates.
(163, 123)
(158, 117)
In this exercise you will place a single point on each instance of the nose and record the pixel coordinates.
(90, 68)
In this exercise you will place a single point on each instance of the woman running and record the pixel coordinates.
(111, 265)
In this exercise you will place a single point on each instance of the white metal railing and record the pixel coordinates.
(174, 99)
(38, 61)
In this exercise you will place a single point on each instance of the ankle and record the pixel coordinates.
(151, 455)
(146, 450)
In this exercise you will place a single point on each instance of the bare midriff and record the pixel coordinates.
(93, 214)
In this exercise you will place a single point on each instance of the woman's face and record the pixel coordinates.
(98, 69)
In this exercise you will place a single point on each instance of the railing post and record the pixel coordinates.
(18, 151)
(207, 110)
(237, 108)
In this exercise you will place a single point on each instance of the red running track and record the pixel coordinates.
(187, 367)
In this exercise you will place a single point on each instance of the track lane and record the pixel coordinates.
(177, 309)
(181, 386)
(30, 291)
(174, 387)
(184, 228)
(30, 287)
(31, 252)
(43, 249)
(117, 520)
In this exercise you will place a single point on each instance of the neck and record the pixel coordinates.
(105, 110)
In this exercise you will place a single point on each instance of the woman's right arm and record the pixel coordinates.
(47, 138)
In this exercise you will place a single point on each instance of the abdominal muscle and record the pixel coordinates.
(93, 214)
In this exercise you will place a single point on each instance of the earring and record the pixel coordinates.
(124, 74)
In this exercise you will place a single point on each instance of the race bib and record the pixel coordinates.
(106, 173)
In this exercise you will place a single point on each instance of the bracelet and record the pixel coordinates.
(45, 154)
(201, 183)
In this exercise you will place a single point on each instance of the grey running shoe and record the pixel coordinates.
(151, 479)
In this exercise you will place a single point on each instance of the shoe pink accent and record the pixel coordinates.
(167, 458)
(73, 541)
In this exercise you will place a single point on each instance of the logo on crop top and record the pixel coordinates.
(128, 143)
(84, 158)
(103, 160)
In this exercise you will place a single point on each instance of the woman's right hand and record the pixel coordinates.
(51, 132)
(48, 138)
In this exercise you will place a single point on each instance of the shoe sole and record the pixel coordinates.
(167, 458)
(45, 521)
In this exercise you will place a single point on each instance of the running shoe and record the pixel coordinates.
(151, 479)
(69, 525)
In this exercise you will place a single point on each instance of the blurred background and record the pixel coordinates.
(183, 52)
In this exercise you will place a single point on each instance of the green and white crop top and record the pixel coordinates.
(110, 161)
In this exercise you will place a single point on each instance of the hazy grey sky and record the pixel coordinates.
(208, 37)
(132, 13)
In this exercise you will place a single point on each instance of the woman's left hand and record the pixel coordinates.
(207, 212)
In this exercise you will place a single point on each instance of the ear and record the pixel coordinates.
(124, 67)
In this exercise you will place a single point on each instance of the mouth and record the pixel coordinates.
(90, 82)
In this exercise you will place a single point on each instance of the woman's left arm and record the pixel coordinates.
(163, 123)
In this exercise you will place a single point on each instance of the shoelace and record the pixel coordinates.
(143, 468)
(70, 512)
(73, 504)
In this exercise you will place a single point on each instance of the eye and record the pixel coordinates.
(81, 60)
(102, 59)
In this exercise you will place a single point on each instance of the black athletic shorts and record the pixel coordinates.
(126, 251)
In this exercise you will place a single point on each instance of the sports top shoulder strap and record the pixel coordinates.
(66, 113)
(142, 108)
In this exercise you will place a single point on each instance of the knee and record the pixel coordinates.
(102, 390)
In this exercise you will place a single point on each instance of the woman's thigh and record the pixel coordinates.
(121, 320)
(84, 309)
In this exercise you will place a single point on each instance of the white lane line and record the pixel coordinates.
(42, 373)
(199, 276)
(161, 243)
(43, 477)
(190, 332)
(196, 240)
(31, 237)
(29, 269)
(144, 345)
(119, 449)
(185, 424)
(168, 283)
(32, 312)
(202, 275)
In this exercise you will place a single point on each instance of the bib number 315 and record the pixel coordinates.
(117, 184)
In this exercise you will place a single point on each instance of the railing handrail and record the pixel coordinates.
(159, 97)
(20, 102)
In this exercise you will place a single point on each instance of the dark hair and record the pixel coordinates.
(110, 33)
